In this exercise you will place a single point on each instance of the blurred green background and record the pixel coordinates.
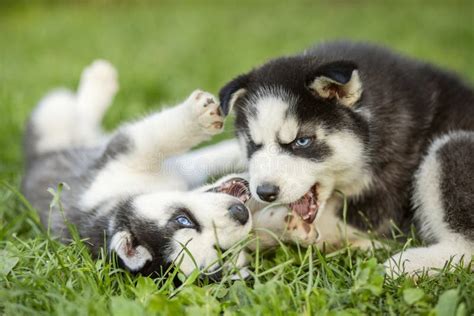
(164, 50)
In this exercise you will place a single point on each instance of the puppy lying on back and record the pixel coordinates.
(130, 188)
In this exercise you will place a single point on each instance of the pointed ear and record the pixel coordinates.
(231, 92)
(339, 81)
(133, 257)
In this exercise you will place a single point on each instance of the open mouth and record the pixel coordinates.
(236, 187)
(308, 205)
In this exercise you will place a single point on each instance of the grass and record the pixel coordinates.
(163, 51)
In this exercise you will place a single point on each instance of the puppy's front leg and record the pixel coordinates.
(144, 145)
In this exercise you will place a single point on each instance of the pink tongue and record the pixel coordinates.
(301, 207)
(305, 209)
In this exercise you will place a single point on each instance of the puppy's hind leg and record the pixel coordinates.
(63, 119)
(97, 88)
(50, 126)
(444, 196)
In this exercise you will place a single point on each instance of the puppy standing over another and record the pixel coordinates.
(394, 135)
(127, 188)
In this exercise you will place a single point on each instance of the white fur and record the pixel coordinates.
(172, 131)
(271, 226)
(117, 179)
(64, 119)
(427, 195)
(53, 119)
(196, 166)
(97, 88)
(348, 163)
(295, 175)
(270, 121)
(430, 259)
(333, 230)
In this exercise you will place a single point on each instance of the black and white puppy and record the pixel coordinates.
(130, 188)
(394, 135)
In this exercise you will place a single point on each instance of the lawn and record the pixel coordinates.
(164, 50)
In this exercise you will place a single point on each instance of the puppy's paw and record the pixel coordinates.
(416, 261)
(100, 77)
(96, 90)
(431, 260)
(206, 111)
(299, 231)
(403, 263)
(366, 244)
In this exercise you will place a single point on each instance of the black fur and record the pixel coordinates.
(118, 145)
(225, 94)
(145, 233)
(457, 184)
(339, 71)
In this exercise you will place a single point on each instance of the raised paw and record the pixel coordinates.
(207, 112)
(99, 83)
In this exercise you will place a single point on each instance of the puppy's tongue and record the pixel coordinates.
(307, 206)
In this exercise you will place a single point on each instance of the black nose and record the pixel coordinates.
(268, 192)
(239, 212)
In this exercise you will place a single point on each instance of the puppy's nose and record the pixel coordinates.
(239, 212)
(268, 192)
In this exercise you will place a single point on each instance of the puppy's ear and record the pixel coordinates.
(337, 81)
(133, 256)
(231, 92)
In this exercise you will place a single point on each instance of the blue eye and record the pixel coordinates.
(302, 142)
(184, 221)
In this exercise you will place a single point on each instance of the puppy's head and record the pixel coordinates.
(190, 229)
(300, 121)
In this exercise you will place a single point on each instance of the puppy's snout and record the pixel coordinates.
(268, 192)
(239, 212)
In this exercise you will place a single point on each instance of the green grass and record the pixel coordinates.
(163, 51)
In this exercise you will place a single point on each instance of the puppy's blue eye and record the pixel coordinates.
(184, 221)
(303, 142)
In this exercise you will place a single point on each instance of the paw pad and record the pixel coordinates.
(207, 111)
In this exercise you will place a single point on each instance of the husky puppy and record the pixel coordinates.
(393, 135)
(128, 191)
